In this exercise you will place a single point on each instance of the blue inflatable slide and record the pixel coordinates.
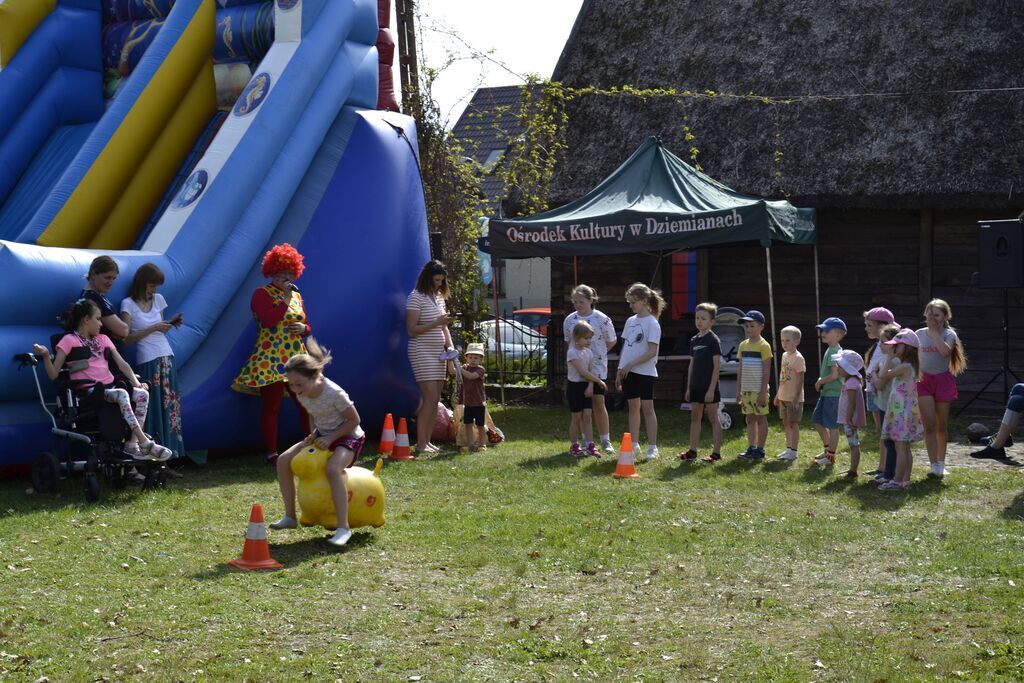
(111, 142)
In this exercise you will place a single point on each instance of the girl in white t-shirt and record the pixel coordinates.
(143, 311)
(335, 428)
(638, 362)
(583, 299)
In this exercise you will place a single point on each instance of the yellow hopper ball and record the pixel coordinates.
(365, 492)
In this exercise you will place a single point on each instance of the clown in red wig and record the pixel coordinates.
(281, 324)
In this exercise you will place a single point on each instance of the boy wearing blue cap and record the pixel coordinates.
(755, 368)
(829, 388)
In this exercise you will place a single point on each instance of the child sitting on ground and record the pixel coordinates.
(473, 399)
(335, 428)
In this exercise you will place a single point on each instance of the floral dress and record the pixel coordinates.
(902, 413)
(274, 346)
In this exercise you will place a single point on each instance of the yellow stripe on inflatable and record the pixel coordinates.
(106, 184)
(166, 155)
(18, 19)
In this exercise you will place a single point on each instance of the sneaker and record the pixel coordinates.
(757, 454)
(892, 486)
(749, 453)
(874, 473)
(636, 452)
(607, 447)
(576, 451)
(788, 455)
(820, 461)
(714, 457)
(285, 522)
(340, 537)
(592, 451)
(652, 452)
(878, 481)
(937, 471)
(987, 441)
(990, 452)
(689, 455)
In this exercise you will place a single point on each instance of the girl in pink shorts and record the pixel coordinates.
(942, 357)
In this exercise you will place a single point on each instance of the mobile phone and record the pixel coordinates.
(177, 320)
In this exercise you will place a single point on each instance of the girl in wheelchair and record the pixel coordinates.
(97, 381)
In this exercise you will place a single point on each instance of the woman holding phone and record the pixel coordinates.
(431, 351)
(143, 313)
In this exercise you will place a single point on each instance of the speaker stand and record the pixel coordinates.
(1005, 372)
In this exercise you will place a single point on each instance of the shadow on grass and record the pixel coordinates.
(1015, 510)
(297, 552)
(776, 466)
(601, 468)
(681, 468)
(735, 465)
(870, 498)
(813, 475)
(549, 462)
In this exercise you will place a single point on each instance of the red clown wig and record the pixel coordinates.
(281, 258)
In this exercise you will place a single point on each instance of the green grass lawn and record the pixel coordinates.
(521, 564)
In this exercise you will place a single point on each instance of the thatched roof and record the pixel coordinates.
(897, 134)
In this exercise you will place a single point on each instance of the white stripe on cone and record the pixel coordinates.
(256, 532)
(402, 440)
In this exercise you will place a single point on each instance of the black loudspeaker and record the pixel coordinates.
(1000, 254)
(436, 251)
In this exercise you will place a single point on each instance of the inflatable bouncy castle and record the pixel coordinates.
(112, 142)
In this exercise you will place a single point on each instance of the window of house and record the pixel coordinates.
(493, 158)
(683, 269)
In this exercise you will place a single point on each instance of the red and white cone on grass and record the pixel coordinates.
(401, 450)
(256, 552)
(387, 436)
(625, 468)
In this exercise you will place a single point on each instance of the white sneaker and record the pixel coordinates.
(788, 454)
(285, 522)
(652, 453)
(340, 537)
(937, 470)
(636, 452)
(607, 447)
(822, 461)
(942, 468)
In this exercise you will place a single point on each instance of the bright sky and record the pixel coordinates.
(526, 36)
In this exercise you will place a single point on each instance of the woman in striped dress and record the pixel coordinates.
(430, 343)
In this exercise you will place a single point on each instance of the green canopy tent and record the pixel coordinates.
(655, 201)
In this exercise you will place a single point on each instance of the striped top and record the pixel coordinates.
(425, 349)
(752, 356)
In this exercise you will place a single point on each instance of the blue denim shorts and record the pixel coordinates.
(826, 412)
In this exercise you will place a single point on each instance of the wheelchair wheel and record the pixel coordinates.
(45, 473)
(92, 487)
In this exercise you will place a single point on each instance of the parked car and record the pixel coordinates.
(535, 318)
(517, 339)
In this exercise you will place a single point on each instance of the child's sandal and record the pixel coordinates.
(688, 455)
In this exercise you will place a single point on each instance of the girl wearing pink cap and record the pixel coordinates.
(942, 358)
(902, 414)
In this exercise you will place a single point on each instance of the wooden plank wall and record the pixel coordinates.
(893, 258)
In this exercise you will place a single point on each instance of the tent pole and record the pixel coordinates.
(575, 273)
(771, 311)
(817, 300)
(497, 333)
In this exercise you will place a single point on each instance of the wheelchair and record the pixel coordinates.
(89, 434)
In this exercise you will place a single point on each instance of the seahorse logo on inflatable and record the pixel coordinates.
(286, 5)
(191, 190)
(253, 95)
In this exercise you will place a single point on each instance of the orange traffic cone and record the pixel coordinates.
(387, 436)
(625, 468)
(256, 552)
(401, 449)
